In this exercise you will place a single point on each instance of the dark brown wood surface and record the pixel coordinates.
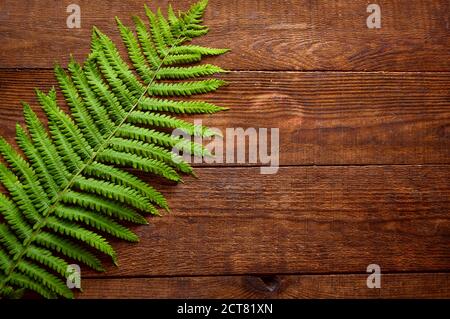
(263, 34)
(328, 219)
(405, 285)
(364, 119)
(323, 117)
(303, 220)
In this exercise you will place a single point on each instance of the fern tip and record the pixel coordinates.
(72, 59)
(56, 65)
(99, 268)
(136, 19)
(25, 105)
(223, 83)
(148, 11)
(118, 21)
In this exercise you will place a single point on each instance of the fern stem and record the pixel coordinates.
(43, 222)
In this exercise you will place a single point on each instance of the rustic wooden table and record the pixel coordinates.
(364, 119)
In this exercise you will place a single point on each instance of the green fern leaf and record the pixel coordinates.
(68, 184)
(188, 72)
(104, 206)
(68, 248)
(96, 221)
(188, 107)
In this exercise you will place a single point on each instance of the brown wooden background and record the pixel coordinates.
(364, 118)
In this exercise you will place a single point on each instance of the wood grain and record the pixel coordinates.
(365, 154)
(324, 118)
(263, 34)
(302, 220)
(407, 285)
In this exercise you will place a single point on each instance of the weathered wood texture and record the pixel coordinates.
(382, 139)
(304, 219)
(264, 35)
(408, 285)
(323, 117)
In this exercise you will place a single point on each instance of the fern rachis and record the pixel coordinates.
(69, 183)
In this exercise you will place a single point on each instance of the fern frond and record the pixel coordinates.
(79, 111)
(9, 240)
(103, 92)
(185, 88)
(21, 280)
(126, 179)
(182, 58)
(113, 191)
(18, 193)
(14, 217)
(65, 149)
(26, 175)
(163, 120)
(115, 61)
(135, 53)
(67, 183)
(58, 120)
(96, 221)
(72, 230)
(189, 23)
(43, 170)
(5, 262)
(166, 32)
(113, 80)
(138, 162)
(99, 112)
(162, 139)
(189, 72)
(46, 258)
(158, 37)
(68, 248)
(183, 107)
(45, 146)
(196, 49)
(153, 151)
(52, 282)
(147, 46)
(101, 205)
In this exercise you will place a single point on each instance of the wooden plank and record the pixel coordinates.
(324, 117)
(422, 285)
(302, 220)
(263, 34)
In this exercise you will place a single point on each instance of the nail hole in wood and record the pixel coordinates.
(269, 283)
